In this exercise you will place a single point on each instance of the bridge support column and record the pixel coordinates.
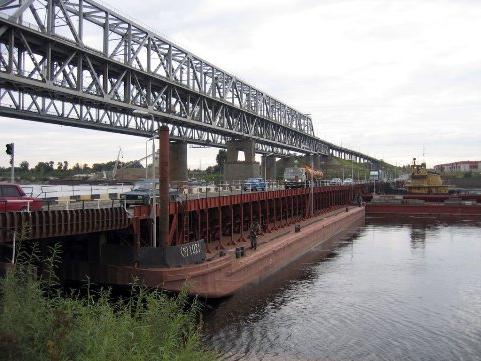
(307, 160)
(178, 161)
(317, 161)
(284, 163)
(268, 167)
(241, 170)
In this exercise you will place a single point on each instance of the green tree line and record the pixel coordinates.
(61, 169)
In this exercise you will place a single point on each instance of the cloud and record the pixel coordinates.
(382, 76)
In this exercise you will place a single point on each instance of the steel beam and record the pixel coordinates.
(134, 69)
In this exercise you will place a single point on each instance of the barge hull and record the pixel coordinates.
(424, 209)
(223, 276)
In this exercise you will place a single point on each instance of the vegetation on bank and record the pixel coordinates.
(343, 168)
(39, 322)
(43, 171)
(46, 171)
(50, 170)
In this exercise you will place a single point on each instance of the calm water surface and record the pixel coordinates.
(403, 289)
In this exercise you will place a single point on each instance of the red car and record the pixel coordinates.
(14, 199)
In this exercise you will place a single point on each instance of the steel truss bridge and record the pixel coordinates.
(79, 63)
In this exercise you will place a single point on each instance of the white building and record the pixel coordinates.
(463, 166)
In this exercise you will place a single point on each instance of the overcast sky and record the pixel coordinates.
(383, 77)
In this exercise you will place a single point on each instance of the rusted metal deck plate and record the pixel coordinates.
(57, 223)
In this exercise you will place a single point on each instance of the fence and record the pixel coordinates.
(70, 197)
(75, 191)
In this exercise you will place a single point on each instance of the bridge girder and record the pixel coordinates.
(51, 72)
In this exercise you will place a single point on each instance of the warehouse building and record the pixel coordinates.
(463, 166)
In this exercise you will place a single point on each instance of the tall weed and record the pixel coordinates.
(39, 322)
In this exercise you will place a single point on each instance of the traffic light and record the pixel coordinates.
(10, 149)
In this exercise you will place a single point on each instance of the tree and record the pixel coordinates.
(59, 166)
(24, 166)
(134, 164)
(221, 159)
(76, 167)
(44, 167)
(65, 165)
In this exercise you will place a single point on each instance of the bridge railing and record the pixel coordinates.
(27, 205)
(76, 197)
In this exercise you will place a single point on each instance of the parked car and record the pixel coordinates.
(141, 193)
(14, 199)
(255, 184)
(335, 182)
(348, 181)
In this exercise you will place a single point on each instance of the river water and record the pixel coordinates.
(407, 288)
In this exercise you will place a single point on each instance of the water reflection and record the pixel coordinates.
(274, 292)
(397, 289)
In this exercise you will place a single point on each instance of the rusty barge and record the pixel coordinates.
(223, 274)
(111, 246)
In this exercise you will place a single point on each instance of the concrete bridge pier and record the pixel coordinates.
(178, 161)
(235, 169)
(307, 160)
(284, 163)
(269, 167)
(317, 161)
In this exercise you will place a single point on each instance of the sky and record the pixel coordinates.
(388, 78)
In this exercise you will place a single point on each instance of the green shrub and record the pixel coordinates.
(39, 322)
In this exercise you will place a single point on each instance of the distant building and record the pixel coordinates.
(463, 166)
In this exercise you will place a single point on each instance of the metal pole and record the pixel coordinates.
(14, 247)
(352, 176)
(146, 161)
(164, 185)
(13, 164)
(154, 204)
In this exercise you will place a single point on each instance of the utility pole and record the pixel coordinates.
(153, 211)
(11, 152)
(154, 195)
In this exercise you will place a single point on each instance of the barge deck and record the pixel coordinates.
(222, 274)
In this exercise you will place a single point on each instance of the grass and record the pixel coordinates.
(39, 322)
(335, 167)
